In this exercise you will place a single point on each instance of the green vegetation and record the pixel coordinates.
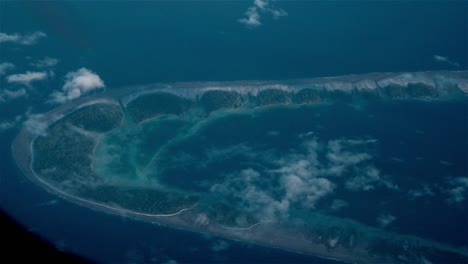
(142, 200)
(217, 99)
(97, 117)
(63, 153)
(413, 90)
(393, 91)
(422, 90)
(308, 96)
(155, 104)
(273, 96)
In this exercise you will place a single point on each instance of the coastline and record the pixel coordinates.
(22, 154)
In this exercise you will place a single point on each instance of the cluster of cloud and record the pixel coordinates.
(302, 178)
(255, 193)
(252, 15)
(455, 190)
(26, 39)
(76, 84)
(22, 83)
(445, 60)
(23, 80)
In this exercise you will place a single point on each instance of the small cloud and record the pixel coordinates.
(35, 124)
(364, 181)
(385, 219)
(47, 62)
(445, 163)
(27, 39)
(397, 160)
(26, 78)
(5, 66)
(48, 203)
(273, 133)
(458, 191)
(8, 95)
(445, 60)
(220, 246)
(277, 13)
(338, 204)
(262, 4)
(170, 261)
(252, 15)
(76, 84)
(6, 125)
(419, 193)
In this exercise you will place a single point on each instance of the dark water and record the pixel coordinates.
(150, 41)
(413, 141)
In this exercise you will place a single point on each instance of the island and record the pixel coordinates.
(114, 152)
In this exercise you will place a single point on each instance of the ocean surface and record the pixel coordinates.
(130, 43)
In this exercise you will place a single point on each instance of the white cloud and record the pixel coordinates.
(76, 84)
(46, 62)
(5, 66)
(27, 39)
(252, 14)
(27, 78)
(385, 219)
(445, 60)
(252, 17)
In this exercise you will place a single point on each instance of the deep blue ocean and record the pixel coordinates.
(131, 43)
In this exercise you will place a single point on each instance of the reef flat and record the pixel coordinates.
(154, 153)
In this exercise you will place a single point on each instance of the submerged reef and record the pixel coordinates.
(151, 153)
